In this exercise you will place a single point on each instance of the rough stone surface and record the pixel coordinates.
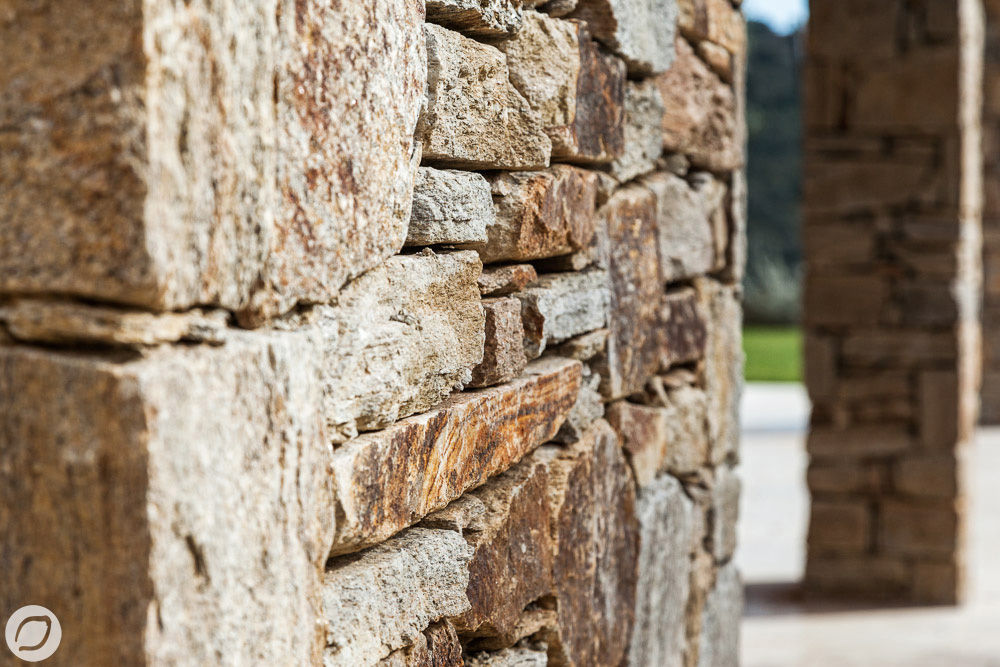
(719, 644)
(60, 323)
(596, 532)
(716, 21)
(484, 18)
(475, 118)
(584, 347)
(640, 31)
(383, 599)
(449, 207)
(725, 513)
(577, 91)
(189, 483)
(667, 526)
(558, 306)
(540, 214)
(723, 368)
(399, 340)
(388, 480)
(196, 156)
(691, 225)
(509, 657)
(643, 131)
(507, 523)
(701, 114)
(504, 280)
(437, 646)
(588, 408)
(503, 354)
(684, 328)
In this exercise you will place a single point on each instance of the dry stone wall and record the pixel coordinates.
(381, 333)
(892, 239)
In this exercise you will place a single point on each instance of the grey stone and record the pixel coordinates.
(725, 513)
(584, 347)
(643, 141)
(485, 18)
(475, 118)
(509, 657)
(384, 598)
(666, 526)
(503, 280)
(640, 31)
(449, 207)
(558, 306)
(719, 642)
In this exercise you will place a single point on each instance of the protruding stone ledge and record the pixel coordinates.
(449, 207)
(503, 354)
(475, 118)
(640, 31)
(391, 479)
(482, 18)
(558, 306)
(503, 280)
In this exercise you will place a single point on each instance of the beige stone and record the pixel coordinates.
(438, 645)
(391, 479)
(188, 482)
(719, 642)
(540, 214)
(179, 156)
(559, 306)
(475, 118)
(589, 407)
(577, 91)
(503, 354)
(449, 207)
(839, 526)
(725, 513)
(690, 240)
(723, 368)
(640, 31)
(643, 131)
(583, 347)
(492, 18)
(383, 599)
(509, 657)
(503, 280)
(717, 21)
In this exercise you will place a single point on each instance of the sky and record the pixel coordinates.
(783, 16)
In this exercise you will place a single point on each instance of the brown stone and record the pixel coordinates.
(492, 18)
(691, 224)
(503, 354)
(908, 529)
(577, 91)
(866, 576)
(701, 113)
(839, 527)
(640, 31)
(584, 347)
(540, 214)
(475, 118)
(172, 156)
(595, 529)
(506, 521)
(504, 280)
(391, 479)
(719, 641)
(857, 442)
(820, 354)
(643, 133)
(635, 343)
(189, 480)
(684, 328)
(559, 306)
(723, 367)
(940, 421)
(939, 583)
(933, 476)
(533, 620)
(714, 20)
(855, 300)
(588, 408)
(844, 478)
(887, 347)
(437, 646)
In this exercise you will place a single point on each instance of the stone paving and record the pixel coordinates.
(781, 630)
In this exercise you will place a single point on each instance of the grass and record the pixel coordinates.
(773, 354)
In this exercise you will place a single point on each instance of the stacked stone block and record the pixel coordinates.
(990, 394)
(393, 332)
(892, 240)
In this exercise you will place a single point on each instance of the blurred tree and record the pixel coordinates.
(774, 111)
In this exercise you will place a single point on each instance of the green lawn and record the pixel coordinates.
(773, 354)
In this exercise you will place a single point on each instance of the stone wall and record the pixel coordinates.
(892, 240)
(372, 332)
(990, 395)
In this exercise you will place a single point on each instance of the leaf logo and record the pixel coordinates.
(33, 633)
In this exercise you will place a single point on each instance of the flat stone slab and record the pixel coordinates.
(559, 306)
(449, 207)
(388, 480)
(482, 18)
(640, 31)
(503, 280)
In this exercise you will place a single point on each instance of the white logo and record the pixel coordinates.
(33, 633)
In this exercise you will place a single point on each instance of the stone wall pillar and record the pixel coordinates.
(991, 218)
(892, 244)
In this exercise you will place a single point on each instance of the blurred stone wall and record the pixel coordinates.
(372, 332)
(893, 243)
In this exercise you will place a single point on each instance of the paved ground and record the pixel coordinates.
(778, 631)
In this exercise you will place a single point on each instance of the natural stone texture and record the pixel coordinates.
(506, 521)
(908, 529)
(584, 347)
(449, 207)
(503, 354)
(383, 599)
(588, 408)
(691, 225)
(723, 368)
(62, 322)
(714, 20)
(640, 31)
(484, 18)
(558, 306)
(684, 328)
(725, 513)
(841, 526)
(171, 156)
(533, 620)
(701, 120)
(388, 480)
(475, 118)
(509, 657)
(504, 280)
(643, 131)
(577, 91)
(188, 483)
(668, 438)
(635, 315)
(540, 214)
(666, 525)
(437, 646)
(399, 340)
(596, 533)
(719, 644)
